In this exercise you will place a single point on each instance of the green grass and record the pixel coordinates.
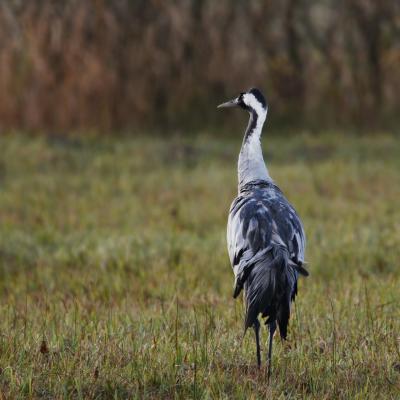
(115, 279)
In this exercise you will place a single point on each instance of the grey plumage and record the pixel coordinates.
(266, 247)
(266, 240)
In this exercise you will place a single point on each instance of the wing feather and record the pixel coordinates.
(259, 220)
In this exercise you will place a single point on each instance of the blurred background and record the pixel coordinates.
(117, 173)
(117, 65)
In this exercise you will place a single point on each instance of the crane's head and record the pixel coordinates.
(252, 101)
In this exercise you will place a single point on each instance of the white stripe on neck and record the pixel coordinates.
(250, 100)
(251, 165)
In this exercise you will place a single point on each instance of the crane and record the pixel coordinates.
(265, 236)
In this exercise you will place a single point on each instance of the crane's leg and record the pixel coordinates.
(256, 328)
(272, 328)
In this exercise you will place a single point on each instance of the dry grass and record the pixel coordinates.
(115, 281)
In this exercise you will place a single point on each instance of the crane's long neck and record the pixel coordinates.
(251, 165)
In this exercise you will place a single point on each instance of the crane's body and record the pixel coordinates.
(266, 240)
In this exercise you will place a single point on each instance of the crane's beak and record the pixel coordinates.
(230, 103)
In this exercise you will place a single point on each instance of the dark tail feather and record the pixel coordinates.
(237, 289)
(283, 317)
(266, 284)
(258, 289)
(299, 268)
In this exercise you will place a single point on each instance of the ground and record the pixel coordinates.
(115, 279)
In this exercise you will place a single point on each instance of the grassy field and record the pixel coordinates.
(115, 279)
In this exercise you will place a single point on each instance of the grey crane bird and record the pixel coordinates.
(266, 240)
